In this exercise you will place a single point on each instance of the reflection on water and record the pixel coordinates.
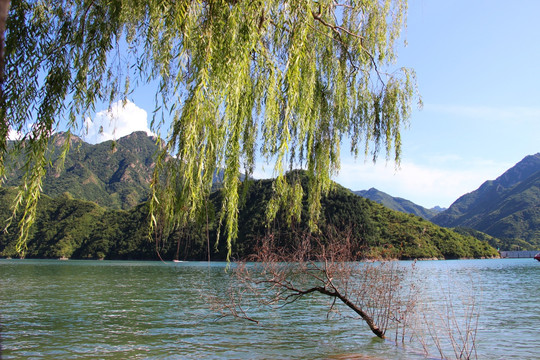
(107, 309)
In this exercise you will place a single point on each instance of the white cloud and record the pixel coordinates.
(439, 181)
(14, 135)
(117, 121)
(424, 185)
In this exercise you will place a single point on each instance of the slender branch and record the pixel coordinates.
(297, 293)
(337, 30)
(336, 4)
(83, 17)
(374, 328)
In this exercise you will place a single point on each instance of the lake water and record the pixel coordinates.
(120, 310)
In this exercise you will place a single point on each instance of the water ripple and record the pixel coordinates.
(141, 310)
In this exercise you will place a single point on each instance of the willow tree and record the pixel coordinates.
(279, 81)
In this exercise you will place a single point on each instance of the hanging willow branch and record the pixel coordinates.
(239, 81)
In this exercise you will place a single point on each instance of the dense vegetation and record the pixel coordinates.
(234, 81)
(80, 229)
(112, 174)
(507, 208)
(67, 227)
(505, 244)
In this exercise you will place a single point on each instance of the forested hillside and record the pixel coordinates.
(72, 228)
(507, 208)
(114, 174)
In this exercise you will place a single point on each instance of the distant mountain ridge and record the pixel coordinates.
(399, 204)
(507, 207)
(113, 174)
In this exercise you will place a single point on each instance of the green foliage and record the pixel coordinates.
(62, 225)
(79, 229)
(296, 75)
(407, 236)
(504, 244)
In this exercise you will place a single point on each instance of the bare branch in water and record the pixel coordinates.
(324, 264)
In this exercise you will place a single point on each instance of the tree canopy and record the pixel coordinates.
(281, 81)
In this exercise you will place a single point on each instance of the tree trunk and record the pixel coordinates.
(4, 9)
(374, 328)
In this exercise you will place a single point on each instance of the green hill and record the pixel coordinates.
(67, 227)
(81, 229)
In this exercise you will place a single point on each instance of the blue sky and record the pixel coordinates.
(478, 70)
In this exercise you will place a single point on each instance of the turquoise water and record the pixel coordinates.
(119, 310)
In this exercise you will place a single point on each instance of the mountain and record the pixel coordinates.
(112, 174)
(399, 204)
(95, 208)
(507, 207)
(78, 229)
